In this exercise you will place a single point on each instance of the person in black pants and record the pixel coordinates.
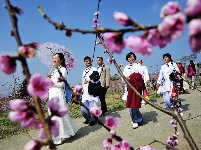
(104, 72)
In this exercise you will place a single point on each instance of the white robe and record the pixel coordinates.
(67, 126)
(128, 70)
(164, 78)
(85, 75)
(145, 74)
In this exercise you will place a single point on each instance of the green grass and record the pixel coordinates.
(8, 128)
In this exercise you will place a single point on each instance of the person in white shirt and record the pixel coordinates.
(129, 69)
(164, 79)
(88, 100)
(145, 76)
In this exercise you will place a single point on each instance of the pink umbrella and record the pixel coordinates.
(45, 52)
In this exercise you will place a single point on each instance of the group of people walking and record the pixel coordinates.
(96, 81)
(90, 96)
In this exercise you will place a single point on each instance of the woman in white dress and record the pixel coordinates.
(67, 126)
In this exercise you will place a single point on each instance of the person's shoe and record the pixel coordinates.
(143, 102)
(91, 123)
(86, 122)
(135, 125)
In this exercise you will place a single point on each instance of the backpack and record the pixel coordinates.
(177, 80)
(94, 84)
(68, 94)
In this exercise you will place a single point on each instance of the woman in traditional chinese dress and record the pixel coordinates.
(67, 126)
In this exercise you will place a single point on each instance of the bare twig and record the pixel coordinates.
(26, 73)
(194, 117)
(167, 146)
(61, 26)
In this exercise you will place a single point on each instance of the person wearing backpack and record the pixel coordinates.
(164, 79)
(88, 99)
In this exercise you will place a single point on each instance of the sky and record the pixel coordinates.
(79, 14)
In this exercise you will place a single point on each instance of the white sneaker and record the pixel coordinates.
(143, 102)
(135, 125)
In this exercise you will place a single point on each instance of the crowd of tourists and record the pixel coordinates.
(96, 81)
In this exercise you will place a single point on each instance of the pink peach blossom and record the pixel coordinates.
(156, 39)
(139, 45)
(95, 21)
(18, 105)
(54, 128)
(170, 8)
(121, 65)
(26, 51)
(194, 27)
(107, 143)
(38, 86)
(122, 18)
(96, 13)
(172, 122)
(195, 32)
(22, 113)
(125, 145)
(116, 147)
(114, 42)
(96, 111)
(25, 118)
(112, 132)
(111, 122)
(33, 145)
(77, 89)
(7, 64)
(109, 61)
(193, 8)
(55, 109)
(172, 25)
(173, 142)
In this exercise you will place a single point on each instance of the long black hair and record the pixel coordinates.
(61, 56)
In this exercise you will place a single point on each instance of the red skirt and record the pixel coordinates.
(134, 101)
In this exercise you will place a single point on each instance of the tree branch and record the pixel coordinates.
(26, 73)
(61, 26)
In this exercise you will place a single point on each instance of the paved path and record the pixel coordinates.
(156, 126)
